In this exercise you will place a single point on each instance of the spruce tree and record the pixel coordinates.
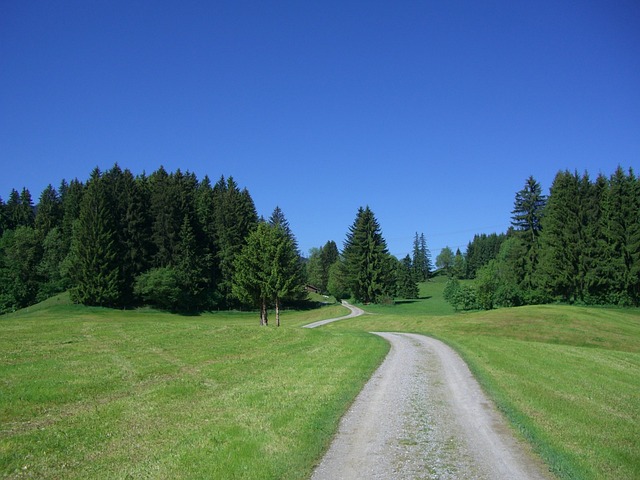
(94, 251)
(277, 219)
(235, 218)
(526, 220)
(50, 267)
(189, 269)
(12, 210)
(22, 251)
(166, 219)
(528, 210)
(593, 263)
(132, 223)
(71, 199)
(421, 258)
(481, 250)
(623, 236)
(49, 212)
(560, 238)
(407, 286)
(286, 282)
(205, 209)
(24, 212)
(4, 220)
(366, 258)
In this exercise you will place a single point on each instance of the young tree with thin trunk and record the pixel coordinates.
(286, 280)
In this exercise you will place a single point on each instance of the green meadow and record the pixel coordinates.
(568, 378)
(98, 393)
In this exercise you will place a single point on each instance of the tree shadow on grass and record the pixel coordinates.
(413, 300)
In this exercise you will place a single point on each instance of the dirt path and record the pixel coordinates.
(355, 312)
(423, 415)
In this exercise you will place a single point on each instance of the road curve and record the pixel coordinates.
(423, 415)
(355, 312)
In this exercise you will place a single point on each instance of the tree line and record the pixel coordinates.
(580, 244)
(119, 240)
(174, 242)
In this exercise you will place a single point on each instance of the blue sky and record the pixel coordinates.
(432, 113)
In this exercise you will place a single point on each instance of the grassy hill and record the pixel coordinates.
(98, 393)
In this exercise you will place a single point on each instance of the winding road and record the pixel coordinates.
(423, 415)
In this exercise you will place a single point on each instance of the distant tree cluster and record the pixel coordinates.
(319, 265)
(166, 240)
(581, 244)
(366, 271)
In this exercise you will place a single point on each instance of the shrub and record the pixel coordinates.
(159, 287)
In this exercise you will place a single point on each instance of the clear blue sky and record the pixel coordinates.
(433, 113)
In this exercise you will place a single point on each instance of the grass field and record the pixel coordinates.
(96, 393)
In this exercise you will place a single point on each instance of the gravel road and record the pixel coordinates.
(422, 415)
(355, 312)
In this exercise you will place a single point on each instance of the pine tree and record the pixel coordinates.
(71, 199)
(94, 250)
(277, 219)
(593, 263)
(189, 269)
(235, 218)
(366, 258)
(49, 212)
(24, 212)
(12, 210)
(132, 225)
(421, 258)
(481, 250)
(49, 269)
(21, 252)
(166, 219)
(205, 210)
(4, 219)
(286, 282)
(527, 211)
(407, 286)
(526, 220)
(623, 237)
(560, 238)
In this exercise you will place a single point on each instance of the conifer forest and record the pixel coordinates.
(174, 242)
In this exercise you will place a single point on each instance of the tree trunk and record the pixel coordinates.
(264, 320)
(277, 311)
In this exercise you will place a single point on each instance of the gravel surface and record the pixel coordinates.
(422, 415)
(355, 312)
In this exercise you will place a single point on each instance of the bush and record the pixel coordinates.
(461, 297)
(159, 287)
